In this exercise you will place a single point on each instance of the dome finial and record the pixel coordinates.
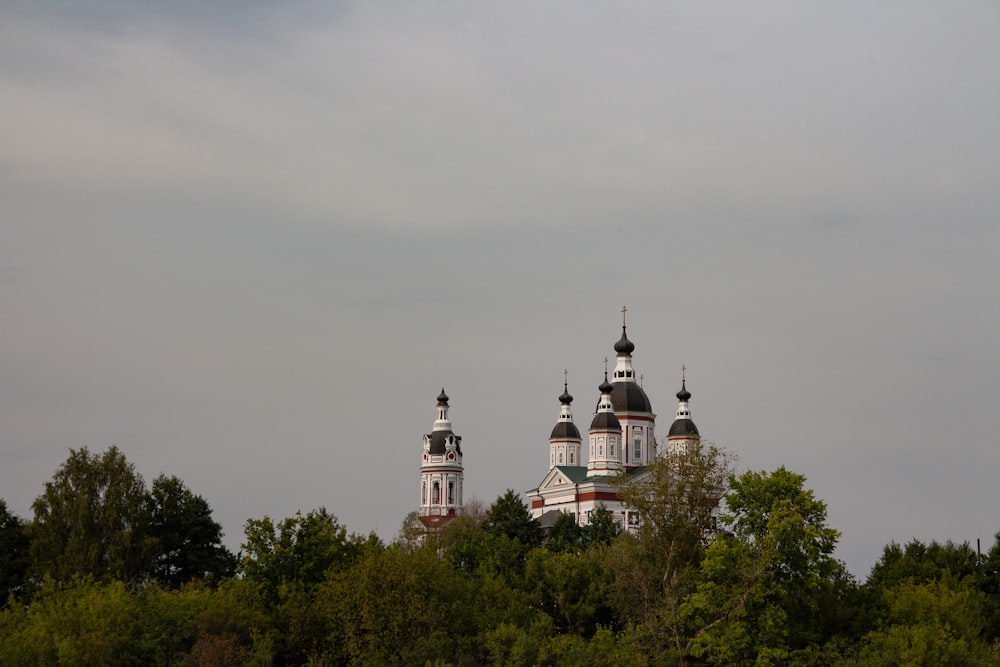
(565, 399)
(624, 346)
(683, 394)
(442, 397)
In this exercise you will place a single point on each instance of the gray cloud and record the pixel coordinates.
(248, 245)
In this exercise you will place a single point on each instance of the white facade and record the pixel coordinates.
(441, 471)
(621, 439)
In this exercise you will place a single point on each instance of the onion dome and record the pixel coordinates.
(605, 418)
(683, 395)
(683, 426)
(629, 397)
(605, 421)
(624, 345)
(442, 435)
(565, 429)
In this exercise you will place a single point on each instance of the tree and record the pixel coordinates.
(298, 551)
(677, 498)
(565, 534)
(929, 623)
(188, 541)
(509, 516)
(602, 527)
(764, 594)
(92, 519)
(15, 555)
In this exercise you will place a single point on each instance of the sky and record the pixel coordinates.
(248, 244)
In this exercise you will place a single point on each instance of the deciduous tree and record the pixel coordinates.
(15, 556)
(188, 542)
(93, 519)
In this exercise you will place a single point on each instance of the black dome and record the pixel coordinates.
(604, 421)
(606, 387)
(565, 431)
(565, 398)
(683, 394)
(629, 397)
(624, 345)
(682, 427)
(439, 440)
(442, 397)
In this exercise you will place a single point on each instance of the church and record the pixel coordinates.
(621, 440)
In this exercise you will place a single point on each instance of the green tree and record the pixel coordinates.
(602, 527)
(92, 519)
(509, 516)
(188, 541)
(572, 588)
(677, 498)
(298, 551)
(761, 593)
(928, 624)
(565, 534)
(15, 555)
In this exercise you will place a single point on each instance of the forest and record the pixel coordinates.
(726, 569)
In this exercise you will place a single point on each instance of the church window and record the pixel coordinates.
(611, 448)
(560, 458)
(451, 493)
(437, 493)
(423, 493)
(637, 442)
(571, 461)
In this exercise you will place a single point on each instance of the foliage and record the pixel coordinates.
(677, 498)
(92, 519)
(930, 623)
(298, 551)
(602, 527)
(565, 534)
(757, 601)
(188, 541)
(509, 516)
(15, 554)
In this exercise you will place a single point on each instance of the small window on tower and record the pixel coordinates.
(451, 493)
(437, 493)
(560, 458)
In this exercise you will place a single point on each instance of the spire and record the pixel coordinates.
(683, 395)
(623, 351)
(564, 442)
(442, 423)
(565, 398)
(683, 427)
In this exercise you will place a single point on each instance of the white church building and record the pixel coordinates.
(621, 440)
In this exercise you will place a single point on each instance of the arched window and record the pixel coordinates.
(451, 493)
(437, 493)
(423, 493)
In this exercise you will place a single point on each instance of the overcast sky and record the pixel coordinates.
(248, 243)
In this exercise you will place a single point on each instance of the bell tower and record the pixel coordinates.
(441, 471)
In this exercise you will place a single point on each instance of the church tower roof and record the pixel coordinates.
(441, 433)
(683, 426)
(565, 429)
(626, 394)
